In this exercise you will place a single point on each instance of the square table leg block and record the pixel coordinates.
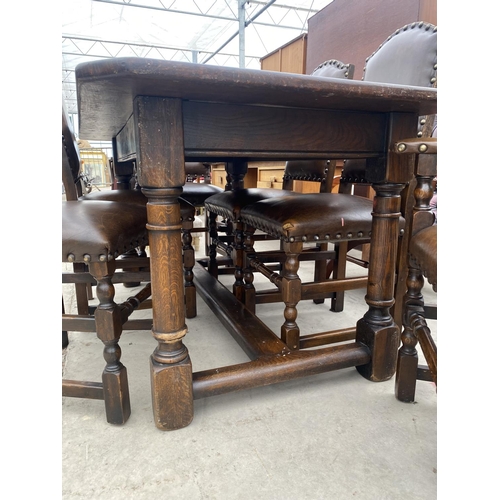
(172, 393)
(383, 343)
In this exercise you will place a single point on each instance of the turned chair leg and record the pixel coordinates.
(407, 363)
(249, 251)
(212, 247)
(238, 256)
(291, 292)
(108, 321)
(188, 263)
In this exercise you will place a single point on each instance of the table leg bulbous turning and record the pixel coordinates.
(377, 328)
(171, 370)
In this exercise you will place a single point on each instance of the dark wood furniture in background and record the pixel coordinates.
(160, 114)
(331, 34)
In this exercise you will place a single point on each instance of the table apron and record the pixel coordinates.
(220, 131)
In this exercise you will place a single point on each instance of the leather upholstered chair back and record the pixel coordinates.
(334, 69)
(309, 170)
(407, 57)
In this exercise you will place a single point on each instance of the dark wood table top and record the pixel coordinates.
(106, 90)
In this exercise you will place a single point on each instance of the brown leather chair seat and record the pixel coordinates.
(297, 219)
(197, 192)
(101, 231)
(136, 197)
(229, 204)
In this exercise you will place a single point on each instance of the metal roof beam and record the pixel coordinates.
(189, 13)
(242, 27)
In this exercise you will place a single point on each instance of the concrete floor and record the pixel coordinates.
(329, 436)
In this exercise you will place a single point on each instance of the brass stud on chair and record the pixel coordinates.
(86, 258)
(423, 148)
(71, 257)
(401, 147)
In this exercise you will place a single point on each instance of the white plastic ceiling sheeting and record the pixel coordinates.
(181, 30)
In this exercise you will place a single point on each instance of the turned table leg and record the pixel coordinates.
(171, 371)
(158, 131)
(377, 328)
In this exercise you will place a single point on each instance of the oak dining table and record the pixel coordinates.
(162, 113)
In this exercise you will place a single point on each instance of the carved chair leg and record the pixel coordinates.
(291, 292)
(188, 262)
(407, 364)
(109, 328)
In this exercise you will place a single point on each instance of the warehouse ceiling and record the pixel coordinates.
(203, 31)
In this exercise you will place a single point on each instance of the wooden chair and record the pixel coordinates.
(407, 57)
(93, 236)
(422, 261)
(228, 206)
(135, 260)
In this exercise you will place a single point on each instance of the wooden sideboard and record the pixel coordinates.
(269, 174)
(260, 174)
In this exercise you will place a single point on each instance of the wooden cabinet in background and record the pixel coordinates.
(269, 174)
(290, 58)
